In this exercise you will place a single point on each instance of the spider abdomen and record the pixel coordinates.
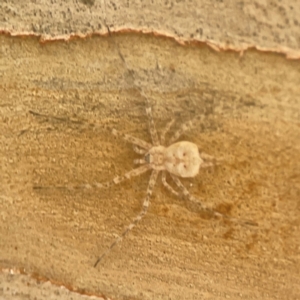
(182, 159)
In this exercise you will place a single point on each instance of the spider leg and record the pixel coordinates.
(184, 127)
(192, 198)
(143, 212)
(133, 140)
(166, 185)
(206, 165)
(207, 156)
(209, 161)
(139, 150)
(107, 184)
(139, 161)
(205, 208)
(152, 128)
(153, 132)
(164, 132)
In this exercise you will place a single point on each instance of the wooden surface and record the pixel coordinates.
(58, 101)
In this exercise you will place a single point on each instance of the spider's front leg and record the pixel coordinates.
(143, 212)
(107, 184)
(165, 131)
(152, 128)
(133, 140)
(139, 150)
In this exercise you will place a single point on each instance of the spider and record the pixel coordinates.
(179, 159)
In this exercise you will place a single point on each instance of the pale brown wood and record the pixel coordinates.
(251, 108)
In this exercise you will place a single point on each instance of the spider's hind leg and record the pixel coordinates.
(209, 161)
(207, 209)
(166, 185)
(185, 127)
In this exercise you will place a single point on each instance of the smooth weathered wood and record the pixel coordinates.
(57, 103)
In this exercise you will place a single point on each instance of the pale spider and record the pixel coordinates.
(181, 159)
